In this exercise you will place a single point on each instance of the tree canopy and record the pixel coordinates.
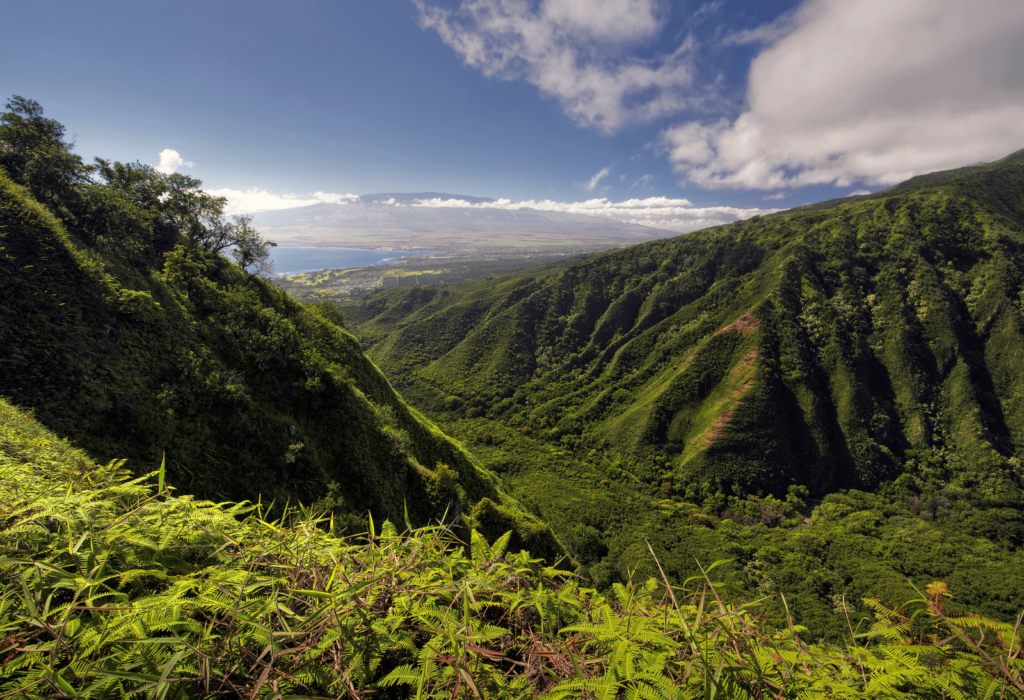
(125, 206)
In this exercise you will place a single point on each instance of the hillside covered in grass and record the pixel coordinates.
(833, 395)
(124, 328)
(115, 587)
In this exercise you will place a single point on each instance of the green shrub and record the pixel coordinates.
(115, 587)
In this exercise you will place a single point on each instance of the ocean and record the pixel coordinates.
(293, 260)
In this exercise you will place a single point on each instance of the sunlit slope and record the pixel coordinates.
(249, 393)
(831, 347)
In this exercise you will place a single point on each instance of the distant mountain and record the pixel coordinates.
(394, 220)
(410, 197)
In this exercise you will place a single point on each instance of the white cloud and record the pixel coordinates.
(771, 197)
(644, 179)
(874, 91)
(685, 225)
(612, 20)
(254, 200)
(675, 214)
(857, 193)
(589, 206)
(170, 160)
(708, 8)
(603, 172)
(329, 198)
(574, 51)
(658, 212)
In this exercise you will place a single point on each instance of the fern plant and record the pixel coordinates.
(114, 587)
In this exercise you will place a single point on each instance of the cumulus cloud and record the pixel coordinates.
(873, 91)
(575, 51)
(256, 200)
(603, 172)
(857, 193)
(170, 160)
(658, 212)
(777, 195)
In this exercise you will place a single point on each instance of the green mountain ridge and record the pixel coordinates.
(878, 330)
(834, 397)
(126, 336)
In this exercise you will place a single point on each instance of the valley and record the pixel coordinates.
(705, 393)
(774, 458)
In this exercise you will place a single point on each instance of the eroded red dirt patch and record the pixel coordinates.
(717, 428)
(709, 436)
(747, 323)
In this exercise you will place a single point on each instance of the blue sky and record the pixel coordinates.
(733, 106)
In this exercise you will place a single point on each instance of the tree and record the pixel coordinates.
(140, 188)
(197, 215)
(250, 248)
(34, 154)
(129, 207)
(137, 182)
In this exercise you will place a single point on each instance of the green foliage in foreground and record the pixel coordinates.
(846, 545)
(115, 588)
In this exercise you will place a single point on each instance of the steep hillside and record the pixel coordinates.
(823, 348)
(708, 391)
(125, 331)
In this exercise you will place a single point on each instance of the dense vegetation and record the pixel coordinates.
(832, 396)
(825, 403)
(116, 587)
(124, 328)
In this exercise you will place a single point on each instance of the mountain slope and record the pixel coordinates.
(139, 344)
(825, 348)
(736, 392)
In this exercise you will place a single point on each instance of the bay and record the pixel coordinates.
(294, 260)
